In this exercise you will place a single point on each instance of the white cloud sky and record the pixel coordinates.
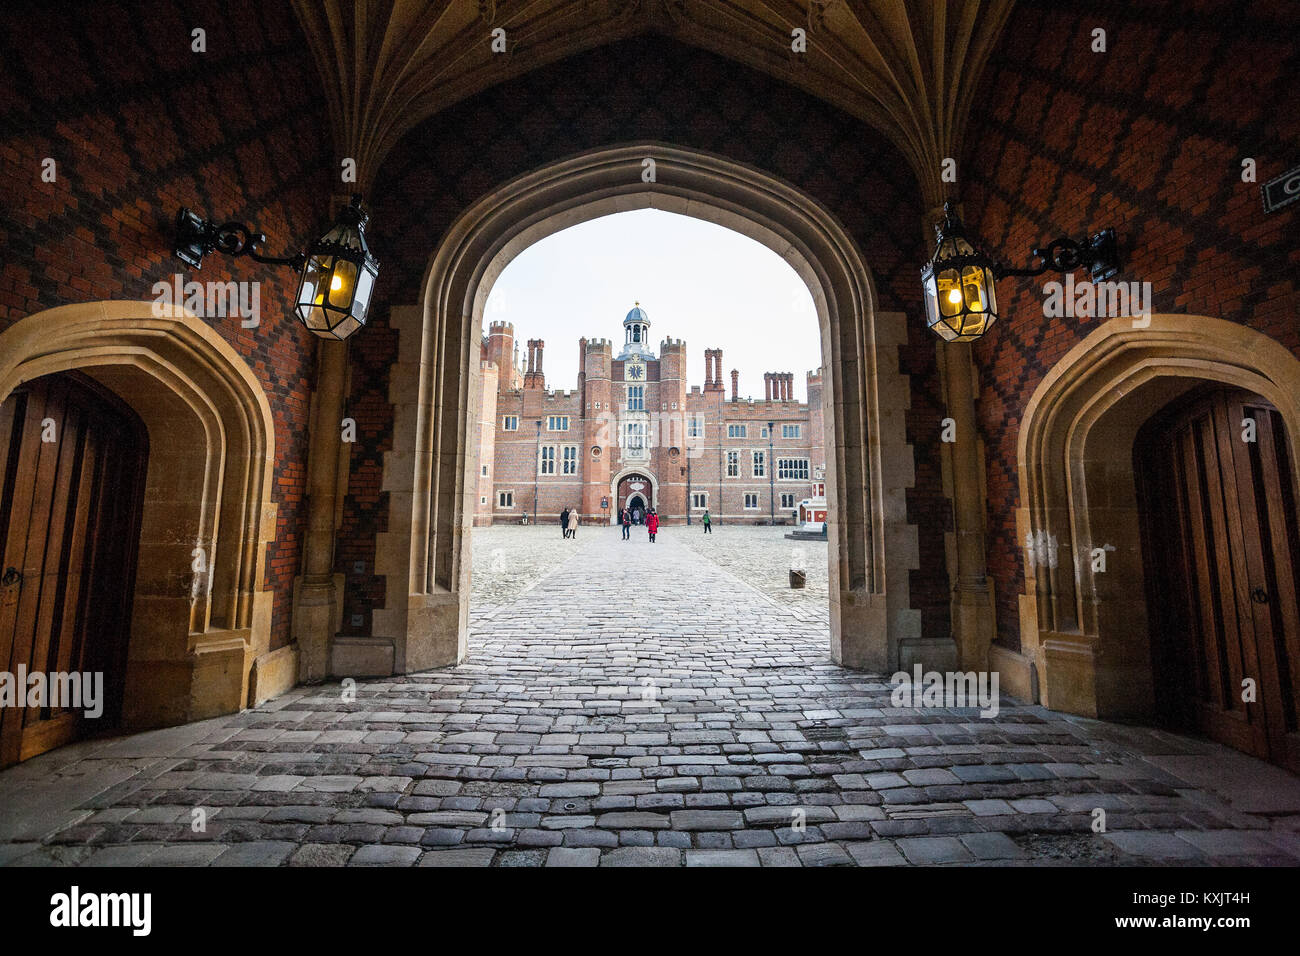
(697, 281)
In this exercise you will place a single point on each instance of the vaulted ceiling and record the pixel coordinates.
(906, 67)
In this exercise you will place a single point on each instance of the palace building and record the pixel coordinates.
(634, 434)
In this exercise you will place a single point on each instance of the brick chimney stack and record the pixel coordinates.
(534, 377)
(713, 370)
(735, 384)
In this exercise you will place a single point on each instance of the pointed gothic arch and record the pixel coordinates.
(430, 472)
(1084, 634)
(197, 638)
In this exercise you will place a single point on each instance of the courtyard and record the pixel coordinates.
(629, 703)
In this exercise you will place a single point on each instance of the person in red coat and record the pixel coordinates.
(652, 523)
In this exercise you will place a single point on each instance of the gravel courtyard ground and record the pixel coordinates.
(628, 703)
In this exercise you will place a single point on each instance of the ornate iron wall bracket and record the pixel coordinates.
(196, 237)
(1100, 254)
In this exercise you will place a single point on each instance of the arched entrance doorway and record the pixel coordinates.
(432, 469)
(70, 498)
(200, 614)
(1095, 591)
(636, 492)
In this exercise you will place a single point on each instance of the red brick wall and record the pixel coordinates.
(1148, 138)
(138, 126)
(653, 88)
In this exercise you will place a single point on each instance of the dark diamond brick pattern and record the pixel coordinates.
(139, 125)
(643, 89)
(1147, 138)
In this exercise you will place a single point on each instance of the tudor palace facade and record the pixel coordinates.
(633, 435)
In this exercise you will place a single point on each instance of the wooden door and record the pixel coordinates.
(70, 498)
(1218, 488)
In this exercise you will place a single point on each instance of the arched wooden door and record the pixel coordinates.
(70, 499)
(1217, 486)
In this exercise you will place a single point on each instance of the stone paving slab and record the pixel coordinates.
(625, 704)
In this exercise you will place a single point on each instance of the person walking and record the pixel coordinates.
(652, 523)
(627, 525)
(564, 521)
(573, 524)
(708, 522)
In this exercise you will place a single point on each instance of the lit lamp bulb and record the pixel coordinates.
(955, 296)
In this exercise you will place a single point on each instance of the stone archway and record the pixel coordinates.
(1085, 633)
(649, 495)
(430, 472)
(199, 641)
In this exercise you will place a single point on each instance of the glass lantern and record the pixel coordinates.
(338, 277)
(958, 284)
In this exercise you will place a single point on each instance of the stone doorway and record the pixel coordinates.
(636, 492)
(432, 469)
(200, 613)
(1086, 619)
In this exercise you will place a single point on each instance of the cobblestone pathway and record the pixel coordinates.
(763, 558)
(641, 704)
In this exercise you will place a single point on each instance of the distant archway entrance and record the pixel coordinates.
(431, 471)
(635, 490)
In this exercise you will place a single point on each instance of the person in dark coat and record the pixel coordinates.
(627, 525)
(564, 521)
(652, 524)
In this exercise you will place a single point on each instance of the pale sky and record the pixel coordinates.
(697, 281)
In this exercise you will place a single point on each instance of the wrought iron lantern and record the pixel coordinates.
(958, 281)
(337, 272)
(960, 301)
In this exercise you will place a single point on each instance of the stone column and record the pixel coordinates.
(317, 610)
(972, 611)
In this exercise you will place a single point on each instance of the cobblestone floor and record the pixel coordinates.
(625, 704)
(763, 558)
